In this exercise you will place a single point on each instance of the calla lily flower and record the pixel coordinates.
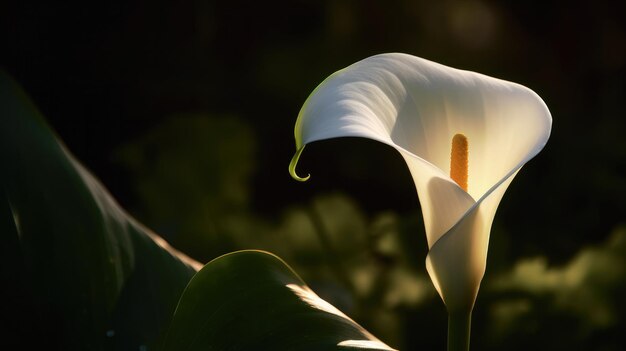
(463, 135)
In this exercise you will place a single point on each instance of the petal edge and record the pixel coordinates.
(294, 163)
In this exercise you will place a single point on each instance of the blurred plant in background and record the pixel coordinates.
(192, 177)
(584, 296)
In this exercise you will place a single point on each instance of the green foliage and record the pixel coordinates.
(99, 278)
(85, 275)
(251, 300)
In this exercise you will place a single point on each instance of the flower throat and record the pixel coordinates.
(459, 160)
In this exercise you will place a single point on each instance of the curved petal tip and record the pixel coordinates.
(294, 163)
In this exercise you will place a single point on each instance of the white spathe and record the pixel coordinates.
(417, 106)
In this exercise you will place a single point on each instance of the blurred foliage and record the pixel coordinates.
(192, 176)
(584, 296)
(186, 110)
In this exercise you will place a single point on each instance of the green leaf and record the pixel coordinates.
(82, 274)
(251, 300)
(98, 278)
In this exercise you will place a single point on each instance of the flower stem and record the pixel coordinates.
(459, 325)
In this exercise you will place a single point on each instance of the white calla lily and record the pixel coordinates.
(417, 107)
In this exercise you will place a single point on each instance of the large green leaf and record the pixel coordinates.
(81, 274)
(251, 300)
(92, 276)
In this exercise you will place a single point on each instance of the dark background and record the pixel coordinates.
(185, 110)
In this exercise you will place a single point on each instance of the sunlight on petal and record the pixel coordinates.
(418, 107)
